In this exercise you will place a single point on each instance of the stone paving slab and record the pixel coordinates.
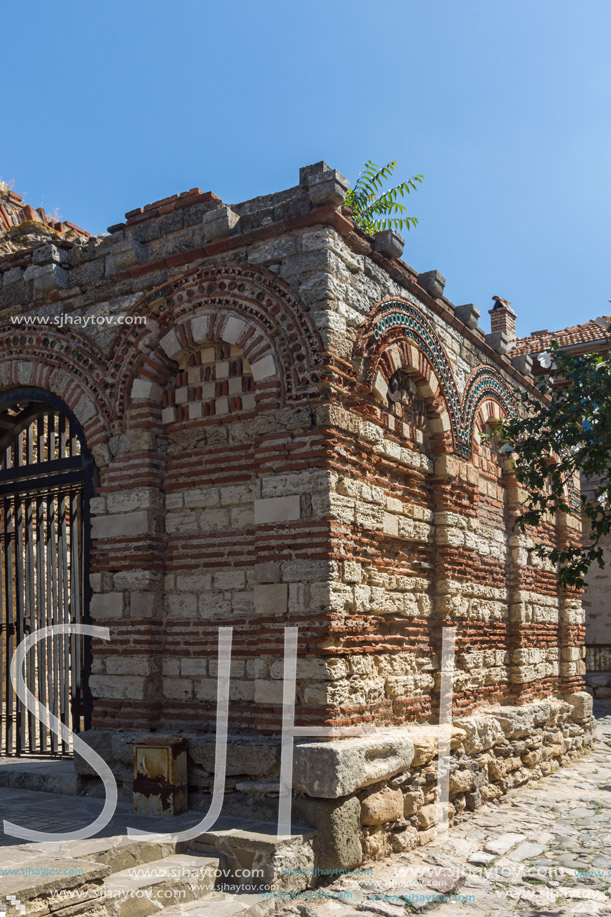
(542, 851)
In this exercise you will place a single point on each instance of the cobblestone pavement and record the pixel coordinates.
(545, 850)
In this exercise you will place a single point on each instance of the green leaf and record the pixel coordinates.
(373, 209)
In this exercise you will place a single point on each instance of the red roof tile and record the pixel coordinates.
(587, 333)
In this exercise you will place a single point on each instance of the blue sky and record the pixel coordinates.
(502, 105)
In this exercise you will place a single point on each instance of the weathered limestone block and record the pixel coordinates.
(219, 222)
(425, 739)
(14, 275)
(381, 805)
(413, 800)
(499, 341)
(327, 187)
(268, 693)
(469, 314)
(124, 254)
(120, 525)
(121, 688)
(517, 722)
(49, 254)
(47, 278)
(277, 509)
(144, 390)
(248, 757)
(389, 243)
(403, 841)
(426, 816)
(340, 767)
(376, 846)
(581, 707)
(270, 598)
(433, 282)
(482, 732)
(523, 363)
(338, 845)
(461, 781)
(107, 605)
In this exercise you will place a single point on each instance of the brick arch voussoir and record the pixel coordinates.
(274, 324)
(399, 355)
(157, 368)
(395, 352)
(488, 411)
(485, 390)
(85, 402)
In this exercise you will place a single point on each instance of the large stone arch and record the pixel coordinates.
(69, 366)
(241, 305)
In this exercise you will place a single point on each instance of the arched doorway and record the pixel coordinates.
(46, 479)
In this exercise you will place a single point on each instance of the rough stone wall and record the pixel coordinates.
(376, 795)
(286, 424)
(597, 606)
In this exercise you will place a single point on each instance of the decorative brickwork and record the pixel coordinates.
(381, 337)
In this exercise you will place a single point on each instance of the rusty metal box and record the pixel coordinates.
(160, 775)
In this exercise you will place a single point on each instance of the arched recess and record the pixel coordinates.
(198, 365)
(544, 652)
(406, 388)
(398, 336)
(224, 343)
(47, 476)
(485, 386)
(238, 305)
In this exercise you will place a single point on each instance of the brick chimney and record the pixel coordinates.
(503, 319)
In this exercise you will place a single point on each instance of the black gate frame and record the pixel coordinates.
(86, 473)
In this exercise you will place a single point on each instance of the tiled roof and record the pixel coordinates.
(21, 226)
(587, 333)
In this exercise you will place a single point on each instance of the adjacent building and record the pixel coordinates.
(593, 336)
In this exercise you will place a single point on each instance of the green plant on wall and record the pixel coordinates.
(375, 210)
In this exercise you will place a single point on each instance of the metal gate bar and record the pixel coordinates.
(43, 485)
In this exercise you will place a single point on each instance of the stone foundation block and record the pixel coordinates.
(581, 707)
(340, 767)
(338, 845)
(381, 806)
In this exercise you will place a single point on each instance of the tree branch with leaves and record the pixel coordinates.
(375, 210)
(564, 435)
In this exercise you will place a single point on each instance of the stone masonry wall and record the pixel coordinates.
(287, 424)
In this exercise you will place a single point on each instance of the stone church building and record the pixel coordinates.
(257, 416)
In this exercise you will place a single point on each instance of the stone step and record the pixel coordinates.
(119, 852)
(32, 880)
(40, 774)
(253, 856)
(222, 904)
(237, 861)
(160, 884)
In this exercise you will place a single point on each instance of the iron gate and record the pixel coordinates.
(45, 479)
